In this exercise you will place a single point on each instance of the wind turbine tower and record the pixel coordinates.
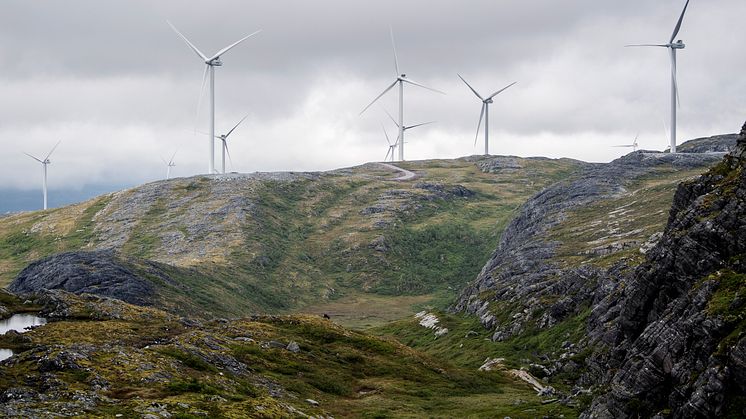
(672, 47)
(401, 78)
(211, 63)
(169, 164)
(485, 113)
(224, 141)
(44, 162)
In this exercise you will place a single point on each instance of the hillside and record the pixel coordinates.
(565, 248)
(536, 302)
(266, 242)
(104, 358)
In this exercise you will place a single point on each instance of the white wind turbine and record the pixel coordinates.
(672, 46)
(211, 63)
(392, 147)
(400, 80)
(224, 140)
(44, 162)
(169, 164)
(485, 113)
(633, 145)
(403, 129)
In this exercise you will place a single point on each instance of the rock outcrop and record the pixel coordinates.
(671, 338)
(666, 324)
(100, 272)
(511, 292)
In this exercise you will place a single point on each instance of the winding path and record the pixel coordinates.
(405, 174)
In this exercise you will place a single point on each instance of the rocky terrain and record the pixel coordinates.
(565, 238)
(597, 296)
(103, 358)
(670, 336)
(661, 308)
(271, 242)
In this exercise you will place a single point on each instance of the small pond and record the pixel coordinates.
(20, 323)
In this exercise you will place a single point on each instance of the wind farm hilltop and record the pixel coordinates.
(575, 250)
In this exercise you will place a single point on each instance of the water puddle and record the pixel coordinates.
(20, 323)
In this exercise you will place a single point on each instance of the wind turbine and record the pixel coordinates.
(400, 80)
(169, 164)
(403, 129)
(44, 163)
(211, 63)
(633, 145)
(485, 113)
(392, 147)
(224, 140)
(672, 46)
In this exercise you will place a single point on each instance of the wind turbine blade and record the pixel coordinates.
(423, 86)
(230, 160)
(479, 124)
(419, 125)
(201, 95)
(163, 160)
(224, 50)
(472, 89)
(379, 96)
(239, 123)
(387, 154)
(172, 157)
(393, 45)
(678, 24)
(391, 117)
(53, 148)
(502, 90)
(626, 145)
(388, 140)
(646, 45)
(33, 157)
(195, 49)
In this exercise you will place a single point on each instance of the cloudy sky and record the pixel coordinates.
(120, 89)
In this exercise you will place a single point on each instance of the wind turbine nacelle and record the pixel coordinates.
(216, 62)
(678, 45)
(488, 101)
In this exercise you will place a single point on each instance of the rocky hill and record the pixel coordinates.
(240, 244)
(671, 336)
(658, 309)
(595, 291)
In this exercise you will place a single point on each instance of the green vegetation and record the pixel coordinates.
(612, 229)
(228, 369)
(265, 245)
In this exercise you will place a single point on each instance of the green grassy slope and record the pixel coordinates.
(279, 243)
(107, 358)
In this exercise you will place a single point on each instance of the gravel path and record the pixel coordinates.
(405, 174)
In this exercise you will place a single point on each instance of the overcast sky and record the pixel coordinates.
(120, 89)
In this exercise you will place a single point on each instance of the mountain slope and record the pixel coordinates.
(269, 242)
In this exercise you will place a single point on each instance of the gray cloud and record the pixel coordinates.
(120, 88)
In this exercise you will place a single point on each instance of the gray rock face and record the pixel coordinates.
(98, 272)
(715, 144)
(521, 275)
(658, 344)
(669, 337)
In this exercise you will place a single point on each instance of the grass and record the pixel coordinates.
(612, 229)
(352, 374)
